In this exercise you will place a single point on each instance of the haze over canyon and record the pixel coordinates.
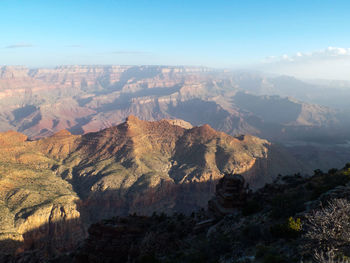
(41, 102)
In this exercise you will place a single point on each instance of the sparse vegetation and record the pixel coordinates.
(328, 230)
(289, 229)
(280, 223)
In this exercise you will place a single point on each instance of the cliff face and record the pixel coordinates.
(37, 208)
(141, 166)
(55, 227)
(52, 188)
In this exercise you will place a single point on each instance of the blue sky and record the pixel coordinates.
(175, 32)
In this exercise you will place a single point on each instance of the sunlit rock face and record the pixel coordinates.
(53, 188)
(38, 209)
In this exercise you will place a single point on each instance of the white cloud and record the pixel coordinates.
(19, 45)
(330, 63)
(328, 53)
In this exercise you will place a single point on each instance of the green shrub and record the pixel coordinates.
(290, 229)
(294, 224)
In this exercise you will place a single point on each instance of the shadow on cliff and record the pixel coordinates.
(167, 196)
(44, 242)
(9, 246)
(54, 239)
(59, 237)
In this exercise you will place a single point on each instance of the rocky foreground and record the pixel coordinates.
(53, 188)
(293, 219)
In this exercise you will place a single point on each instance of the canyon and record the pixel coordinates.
(83, 143)
(40, 102)
(53, 188)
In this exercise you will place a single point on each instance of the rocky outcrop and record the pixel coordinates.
(231, 195)
(55, 228)
(38, 210)
(52, 188)
(141, 167)
(266, 226)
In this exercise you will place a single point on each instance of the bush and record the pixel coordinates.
(329, 257)
(318, 172)
(294, 225)
(332, 171)
(291, 229)
(328, 182)
(328, 228)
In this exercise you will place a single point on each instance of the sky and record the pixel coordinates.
(301, 37)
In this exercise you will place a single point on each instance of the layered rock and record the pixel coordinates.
(38, 209)
(53, 187)
(231, 194)
(141, 166)
(40, 102)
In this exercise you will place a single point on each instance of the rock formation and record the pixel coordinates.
(231, 195)
(52, 188)
(37, 208)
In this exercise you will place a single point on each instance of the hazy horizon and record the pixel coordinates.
(257, 70)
